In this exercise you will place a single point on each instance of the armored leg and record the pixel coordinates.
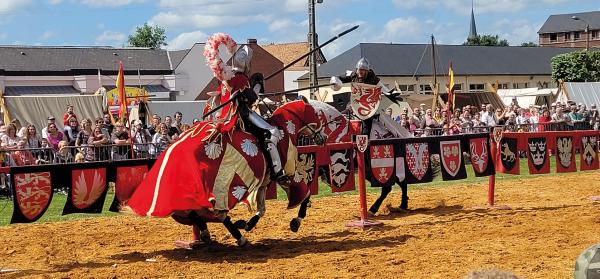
(271, 142)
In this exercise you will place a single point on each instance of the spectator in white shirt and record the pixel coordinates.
(488, 117)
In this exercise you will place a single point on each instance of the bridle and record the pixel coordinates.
(316, 134)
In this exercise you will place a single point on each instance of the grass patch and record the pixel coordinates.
(54, 212)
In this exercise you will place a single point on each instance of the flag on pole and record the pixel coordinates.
(122, 98)
(451, 96)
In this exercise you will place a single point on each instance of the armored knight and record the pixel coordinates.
(249, 88)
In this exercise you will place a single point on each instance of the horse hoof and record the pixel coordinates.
(294, 225)
(196, 245)
(240, 224)
(242, 242)
(205, 237)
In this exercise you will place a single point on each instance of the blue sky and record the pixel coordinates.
(108, 22)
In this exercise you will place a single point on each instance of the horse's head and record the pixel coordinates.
(303, 118)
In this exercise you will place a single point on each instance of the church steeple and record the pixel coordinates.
(473, 29)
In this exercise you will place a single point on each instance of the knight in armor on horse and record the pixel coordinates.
(249, 88)
(364, 74)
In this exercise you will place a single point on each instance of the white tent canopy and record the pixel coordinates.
(587, 93)
(526, 96)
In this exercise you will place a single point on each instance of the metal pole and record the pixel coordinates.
(587, 37)
(312, 40)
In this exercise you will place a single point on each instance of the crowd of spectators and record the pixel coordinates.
(86, 140)
(101, 139)
(469, 119)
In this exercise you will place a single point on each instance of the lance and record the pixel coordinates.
(233, 96)
(310, 52)
(297, 89)
(283, 69)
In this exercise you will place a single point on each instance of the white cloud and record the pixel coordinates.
(201, 21)
(55, 2)
(401, 30)
(9, 9)
(100, 25)
(279, 25)
(111, 38)
(47, 35)
(517, 31)
(7, 6)
(296, 5)
(110, 3)
(187, 40)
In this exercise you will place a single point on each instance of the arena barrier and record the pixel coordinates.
(387, 161)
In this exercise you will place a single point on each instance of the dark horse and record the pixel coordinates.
(380, 127)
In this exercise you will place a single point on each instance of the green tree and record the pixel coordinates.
(578, 66)
(529, 44)
(148, 36)
(486, 40)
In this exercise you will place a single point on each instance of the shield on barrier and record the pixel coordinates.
(382, 162)
(362, 141)
(451, 156)
(498, 132)
(417, 159)
(33, 192)
(365, 99)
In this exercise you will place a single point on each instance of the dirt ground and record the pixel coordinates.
(445, 235)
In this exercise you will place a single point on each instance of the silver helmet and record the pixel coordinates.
(363, 64)
(241, 60)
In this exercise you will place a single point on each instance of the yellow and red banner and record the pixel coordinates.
(451, 95)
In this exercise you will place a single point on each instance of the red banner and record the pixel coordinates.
(128, 178)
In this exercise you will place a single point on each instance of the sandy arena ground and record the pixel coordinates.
(444, 236)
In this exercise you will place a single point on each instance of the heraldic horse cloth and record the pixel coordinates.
(221, 162)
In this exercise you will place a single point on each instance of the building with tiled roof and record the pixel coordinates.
(287, 53)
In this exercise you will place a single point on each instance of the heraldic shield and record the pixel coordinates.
(589, 153)
(451, 157)
(382, 163)
(565, 157)
(481, 158)
(537, 152)
(365, 99)
(508, 156)
(417, 163)
(32, 195)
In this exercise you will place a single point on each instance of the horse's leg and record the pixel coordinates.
(260, 201)
(235, 232)
(404, 201)
(384, 193)
(248, 225)
(295, 223)
(200, 223)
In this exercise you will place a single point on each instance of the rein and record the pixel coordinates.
(314, 132)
